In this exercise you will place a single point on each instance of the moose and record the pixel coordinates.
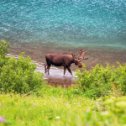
(64, 59)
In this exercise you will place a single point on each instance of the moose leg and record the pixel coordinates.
(64, 70)
(45, 67)
(48, 67)
(68, 68)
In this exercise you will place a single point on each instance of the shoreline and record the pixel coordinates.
(95, 56)
(37, 53)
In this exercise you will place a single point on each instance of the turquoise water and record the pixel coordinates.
(87, 23)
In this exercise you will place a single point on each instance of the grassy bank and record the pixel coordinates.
(61, 107)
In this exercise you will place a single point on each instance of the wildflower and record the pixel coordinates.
(105, 113)
(2, 119)
(57, 117)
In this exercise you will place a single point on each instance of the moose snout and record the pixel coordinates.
(80, 65)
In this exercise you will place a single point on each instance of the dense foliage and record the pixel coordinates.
(102, 80)
(18, 75)
(3, 48)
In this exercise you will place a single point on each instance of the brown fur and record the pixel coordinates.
(61, 59)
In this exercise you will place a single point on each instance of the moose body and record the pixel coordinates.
(61, 59)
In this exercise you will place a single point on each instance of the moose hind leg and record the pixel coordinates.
(48, 68)
(45, 66)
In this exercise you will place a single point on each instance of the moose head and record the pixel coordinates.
(78, 60)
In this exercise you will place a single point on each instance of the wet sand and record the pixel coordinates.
(95, 56)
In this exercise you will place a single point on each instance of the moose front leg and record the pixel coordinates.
(68, 68)
(64, 70)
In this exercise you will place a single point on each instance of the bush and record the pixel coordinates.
(3, 48)
(101, 81)
(19, 75)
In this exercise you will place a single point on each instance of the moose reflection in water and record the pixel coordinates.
(64, 59)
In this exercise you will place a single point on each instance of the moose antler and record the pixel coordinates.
(81, 54)
(74, 56)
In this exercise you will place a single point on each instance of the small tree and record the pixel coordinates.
(18, 75)
(3, 48)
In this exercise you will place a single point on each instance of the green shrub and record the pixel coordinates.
(101, 81)
(119, 77)
(18, 75)
(3, 48)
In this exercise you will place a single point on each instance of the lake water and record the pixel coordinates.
(77, 23)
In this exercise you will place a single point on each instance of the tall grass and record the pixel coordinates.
(61, 109)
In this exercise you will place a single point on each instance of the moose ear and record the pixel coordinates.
(73, 55)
